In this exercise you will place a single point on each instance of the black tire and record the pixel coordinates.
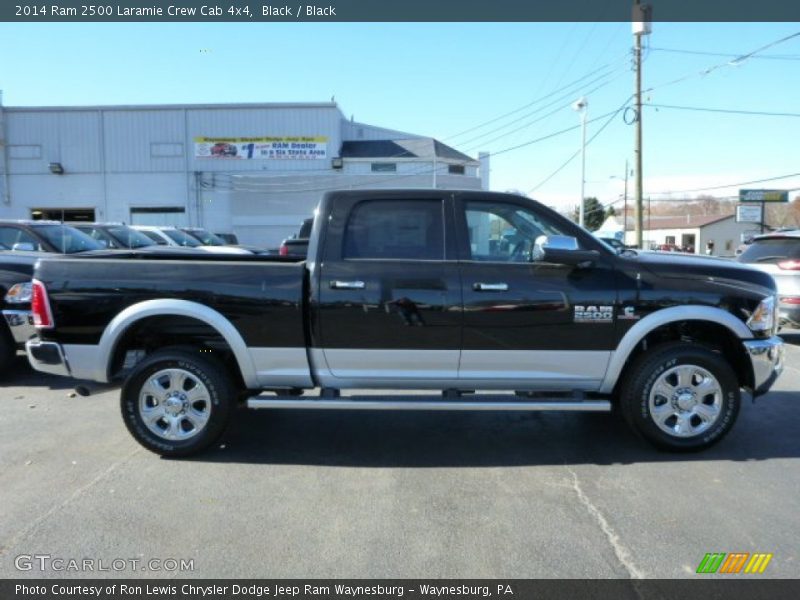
(208, 380)
(659, 366)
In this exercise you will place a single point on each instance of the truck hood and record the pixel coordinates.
(706, 268)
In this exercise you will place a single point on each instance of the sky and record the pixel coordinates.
(455, 82)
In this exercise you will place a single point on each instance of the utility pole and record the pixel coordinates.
(641, 26)
(625, 200)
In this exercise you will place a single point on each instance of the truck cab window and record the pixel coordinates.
(395, 229)
(505, 232)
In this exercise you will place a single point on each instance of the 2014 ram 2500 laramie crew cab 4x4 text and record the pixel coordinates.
(450, 291)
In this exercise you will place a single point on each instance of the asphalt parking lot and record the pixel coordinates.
(418, 495)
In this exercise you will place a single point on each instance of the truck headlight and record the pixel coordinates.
(20, 293)
(763, 317)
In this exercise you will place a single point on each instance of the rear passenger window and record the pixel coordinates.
(396, 229)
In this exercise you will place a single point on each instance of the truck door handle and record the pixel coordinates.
(490, 287)
(347, 285)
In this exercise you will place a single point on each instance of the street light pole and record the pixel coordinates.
(582, 106)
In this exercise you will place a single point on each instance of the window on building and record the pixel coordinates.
(455, 169)
(396, 229)
(670, 239)
(85, 215)
(159, 215)
(384, 167)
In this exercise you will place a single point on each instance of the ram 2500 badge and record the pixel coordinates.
(449, 291)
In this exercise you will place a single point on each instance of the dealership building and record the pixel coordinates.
(253, 169)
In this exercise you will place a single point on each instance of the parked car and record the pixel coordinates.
(206, 238)
(228, 238)
(614, 243)
(297, 245)
(779, 255)
(16, 327)
(44, 236)
(114, 235)
(172, 236)
(406, 291)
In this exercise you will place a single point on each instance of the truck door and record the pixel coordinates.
(530, 324)
(389, 294)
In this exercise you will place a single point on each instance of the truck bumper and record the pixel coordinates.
(20, 323)
(766, 358)
(47, 357)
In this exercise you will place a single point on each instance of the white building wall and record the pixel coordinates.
(121, 158)
(727, 235)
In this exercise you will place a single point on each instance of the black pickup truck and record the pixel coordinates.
(448, 291)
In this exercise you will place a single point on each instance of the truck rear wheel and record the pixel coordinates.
(177, 402)
(681, 397)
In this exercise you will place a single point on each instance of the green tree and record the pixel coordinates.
(611, 212)
(593, 213)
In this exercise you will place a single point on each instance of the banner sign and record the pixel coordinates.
(749, 213)
(763, 196)
(262, 148)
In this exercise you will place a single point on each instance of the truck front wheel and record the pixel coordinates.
(177, 402)
(681, 397)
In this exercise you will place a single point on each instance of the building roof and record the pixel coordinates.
(684, 222)
(232, 105)
(425, 148)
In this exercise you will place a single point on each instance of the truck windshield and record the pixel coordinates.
(206, 237)
(129, 238)
(68, 239)
(182, 239)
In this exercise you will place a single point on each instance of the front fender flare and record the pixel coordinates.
(665, 316)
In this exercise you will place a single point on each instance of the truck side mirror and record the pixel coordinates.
(562, 250)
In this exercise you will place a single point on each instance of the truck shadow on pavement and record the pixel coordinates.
(484, 439)
(21, 374)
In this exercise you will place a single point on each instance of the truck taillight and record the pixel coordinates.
(284, 250)
(40, 306)
(790, 265)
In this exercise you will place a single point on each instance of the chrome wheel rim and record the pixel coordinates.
(685, 401)
(174, 404)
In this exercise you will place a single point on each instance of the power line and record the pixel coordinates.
(537, 120)
(728, 185)
(563, 165)
(735, 62)
(537, 100)
(726, 110)
(702, 53)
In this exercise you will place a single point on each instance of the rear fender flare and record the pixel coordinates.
(185, 308)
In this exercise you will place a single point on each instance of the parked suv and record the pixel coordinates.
(115, 235)
(206, 238)
(172, 236)
(22, 243)
(779, 255)
(44, 236)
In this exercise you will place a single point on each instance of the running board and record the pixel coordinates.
(477, 402)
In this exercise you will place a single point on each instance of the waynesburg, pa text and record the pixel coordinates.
(275, 590)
